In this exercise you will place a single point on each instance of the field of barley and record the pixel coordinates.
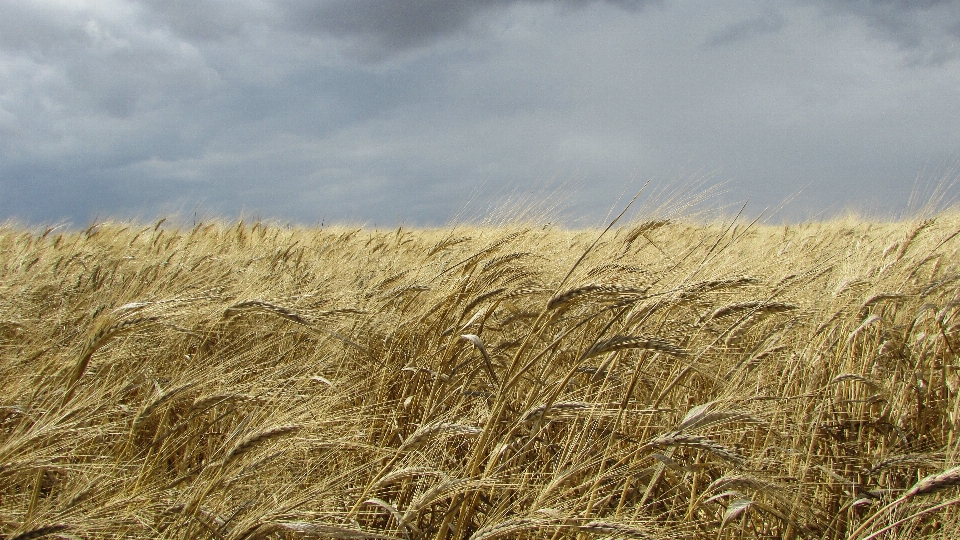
(664, 379)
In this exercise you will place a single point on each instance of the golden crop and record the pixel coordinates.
(674, 380)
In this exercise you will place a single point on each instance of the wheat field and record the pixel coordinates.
(664, 379)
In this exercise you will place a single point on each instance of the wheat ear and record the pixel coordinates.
(621, 530)
(511, 527)
(648, 343)
(478, 343)
(311, 530)
(40, 532)
(562, 299)
(257, 439)
(98, 340)
(930, 484)
(424, 433)
(934, 483)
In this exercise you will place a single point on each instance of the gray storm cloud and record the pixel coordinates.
(928, 28)
(383, 111)
(767, 21)
(390, 26)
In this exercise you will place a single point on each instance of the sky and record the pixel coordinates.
(387, 112)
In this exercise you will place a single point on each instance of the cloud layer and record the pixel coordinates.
(374, 111)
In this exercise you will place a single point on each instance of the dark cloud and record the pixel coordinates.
(393, 25)
(212, 20)
(381, 28)
(385, 25)
(925, 28)
(768, 21)
(902, 5)
(28, 28)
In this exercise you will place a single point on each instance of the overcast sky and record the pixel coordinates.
(416, 112)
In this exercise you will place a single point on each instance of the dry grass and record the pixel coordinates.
(684, 381)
